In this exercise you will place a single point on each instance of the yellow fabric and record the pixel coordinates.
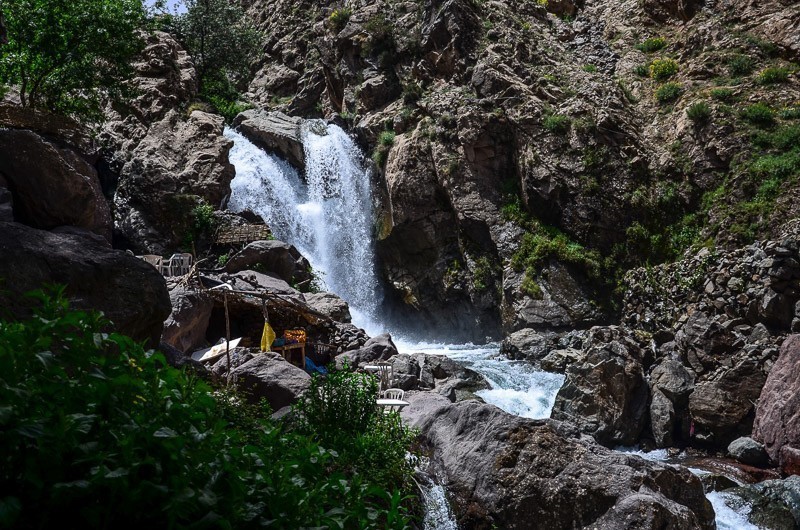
(267, 337)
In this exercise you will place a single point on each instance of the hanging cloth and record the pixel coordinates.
(268, 335)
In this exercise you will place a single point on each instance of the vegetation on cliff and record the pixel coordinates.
(95, 431)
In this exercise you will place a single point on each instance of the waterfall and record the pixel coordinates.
(328, 216)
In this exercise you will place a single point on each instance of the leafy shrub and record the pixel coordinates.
(668, 92)
(339, 18)
(773, 75)
(482, 274)
(203, 221)
(590, 68)
(412, 92)
(530, 286)
(97, 432)
(229, 109)
(381, 36)
(791, 113)
(386, 138)
(544, 243)
(642, 70)
(652, 44)
(740, 65)
(722, 94)
(556, 123)
(663, 69)
(699, 112)
(759, 114)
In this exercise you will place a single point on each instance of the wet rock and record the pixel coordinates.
(268, 376)
(276, 257)
(748, 451)
(525, 344)
(559, 360)
(777, 421)
(519, 473)
(130, 292)
(274, 131)
(775, 504)
(605, 392)
(185, 328)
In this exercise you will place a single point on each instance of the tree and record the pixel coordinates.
(66, 56)
(221, 41)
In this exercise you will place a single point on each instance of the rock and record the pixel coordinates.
(274, 131)
(185, 329)
(605, 392)
(559, 360)
(239, 356)
(525, 344)
(777, 418)
(789, 460)
(674, 380)
(748, 451)
(518, 473)
(663, 10)
(330, 305)
(376, 92)
(775, 504)
(662, 419)
(276, 257)
(380, 348)
(130, 292)
(268, 376)
(52, 186)
(177, 359)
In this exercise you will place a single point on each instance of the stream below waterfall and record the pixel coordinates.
(328, 216)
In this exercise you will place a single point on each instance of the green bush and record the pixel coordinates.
(412, 92)
(203, 221)
(663, 69)
(759, 114)
(386, 138)
(652, 44)
(96, 432)
(339, 18)
(482, 274)
(556, 123)
(668, 92)
(773, 75)
(740, 65)
(791, 113)
(699, 112)
(590, 68)
(722, 94)
(642, 70)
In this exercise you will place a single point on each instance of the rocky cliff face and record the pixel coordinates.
(530, 153)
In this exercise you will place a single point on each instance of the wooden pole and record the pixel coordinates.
(227, 341)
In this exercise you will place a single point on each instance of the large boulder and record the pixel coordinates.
(268, 376)
(274, 256)
(420, 371)
(777, 419)
(670, 386)
(131, 293)
(274, 131)
(52, 185)
(380, 348)
(774, 504)
(518, 473)
(185, 329)
(605, 392)
(748, 451)
(329, 305)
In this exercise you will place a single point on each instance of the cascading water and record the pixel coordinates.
(328, 217)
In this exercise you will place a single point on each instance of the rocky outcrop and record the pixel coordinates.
(777, 421)
(275, 132)
(748, 451)
(51, 179)
(329, 305)
(773, 503)
(130, 292)
(277, 257)
(380, 348)
(269, 377)
(518, 473)
(721, 317)
(420, 371)
(605, 392)
(163, 157)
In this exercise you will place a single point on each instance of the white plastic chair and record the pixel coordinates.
(153, 260)
(393, 393)
(179, 264)
(385, 375)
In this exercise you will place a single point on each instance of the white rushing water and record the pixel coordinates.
(328, 216)
(516, 386)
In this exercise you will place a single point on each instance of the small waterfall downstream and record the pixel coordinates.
(328, 217)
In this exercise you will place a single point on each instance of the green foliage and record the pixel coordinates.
(758, 114)
(668, 92)
(222, 43)
(412, 92)
(70, 56)
(699, 112)
(556, 123)
(339, 412)
(530, 286)
(339, 18)
(740, 65)
(223, 259)
(722, 94)
(543, 243)
(386, 138)
(791, 113)
(773, 75)
(652, 44)
(202, 219)
(381, 42)
(228, 108)
(590, 68)
(482, 273)
(642, 70)
(96, 432)
(663, 69)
